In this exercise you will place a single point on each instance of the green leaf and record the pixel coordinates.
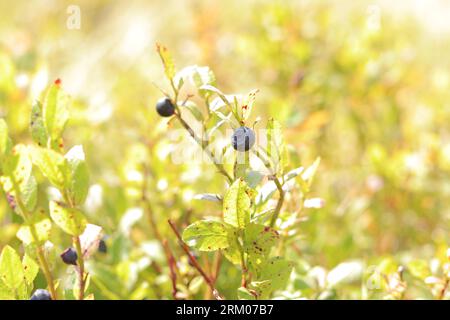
(52, 165)
(5, 292)
(245, 294)
(193, 110)
(203, 76)
(70, 220)
(232, 253)
(18, 181)
(77, 182)
(258, 242)
(5, 142)
(30, 269)
(276, 148)
(11, 270)
(236, 205)
(262, 289)
(169, 66)
(247, 103)
(206, 235)
(55, 111)
(198, 76)
(37, 127)
(277, 270)
(42, 226)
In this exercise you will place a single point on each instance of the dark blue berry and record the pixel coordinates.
(243, 139)
(165, 107)
(69, 256)
(102, 247)
(41, 294)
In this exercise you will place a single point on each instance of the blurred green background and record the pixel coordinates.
(364, 85)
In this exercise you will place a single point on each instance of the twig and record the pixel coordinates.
(81, 274)
(204, 146)
(172, 267)
(444, 289)
(194, 262)
(39, 251)
(279, 203)
(279, 187)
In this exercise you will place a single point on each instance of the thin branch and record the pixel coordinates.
(82, 276)
(444, 289)
(194, 262)
(279, 203)
(39, 251)
(204, 146)
(279, 187)
(172, 267)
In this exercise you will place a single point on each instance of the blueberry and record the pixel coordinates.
(165, 107)
(243, 139)
(41, 294)
(69, 256)
(102, 247)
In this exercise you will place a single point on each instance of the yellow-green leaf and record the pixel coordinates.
(236, 205)
(37, 128)
(52, 165)
(55, 111)
(77, 183)
(169, 66)
(30, 269)
(70, 220)
(11, 270)
(18, 181)
(206, 235)
(42, 226)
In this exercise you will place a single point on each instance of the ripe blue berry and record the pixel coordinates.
(41, 294)
(243, 139)
(69, 256)
(165, 107)
(102, 247)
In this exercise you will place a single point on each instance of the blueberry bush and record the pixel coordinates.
(305, 156)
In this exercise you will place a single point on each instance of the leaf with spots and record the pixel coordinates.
(246, 105)
(11, 270)
(261, 289)
(55, 111)
(258, 241)
(236, 205)
(52, 165)
(42, 227)
(18, 181)
(206, 235)
(6, 293)
(277, 270)
(232, 253)
(37, 127)
(166, 58)
(70, 220)
(30, 270)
